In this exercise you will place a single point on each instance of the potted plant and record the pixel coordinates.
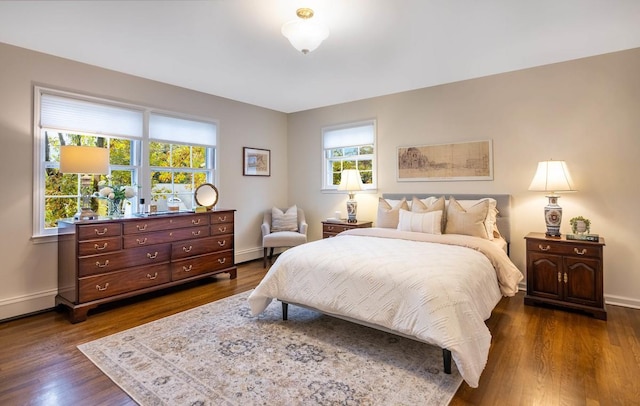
(580, 225)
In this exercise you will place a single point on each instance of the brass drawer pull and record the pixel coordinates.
(98, 232)
(222, 243)
(581, 252)
(141, 242)
(547, 248)
(101, 289)
(152, 256)
(565, 278)
(185, 249)
(222, 218)
(222, 260)
(559, 276)
(330, 228)
(195, 222)
(99, 265)
(144, 227)
(155, 275)
(195, 233)
(222, 229)
(187, 268)
(99, 248)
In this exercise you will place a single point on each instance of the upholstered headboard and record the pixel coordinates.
(503, 204)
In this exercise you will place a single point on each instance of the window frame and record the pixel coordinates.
(140, 150)
(373, 186)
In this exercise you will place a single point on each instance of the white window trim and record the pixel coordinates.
(144, 171)
(373, 187)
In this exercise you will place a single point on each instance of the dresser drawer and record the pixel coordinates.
(222, 217)
(100, 246)
(164, 223)
(335, 228)
(96, 231)
(190, 248)
(114, 283)
(97, 264)
(222, 228)
(551, 247)
(194, 266)
(164, 236)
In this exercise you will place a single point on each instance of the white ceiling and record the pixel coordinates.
(234, 48)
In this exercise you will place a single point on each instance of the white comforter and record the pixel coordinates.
(439, 293)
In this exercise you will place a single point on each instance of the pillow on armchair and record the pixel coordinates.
(284, 221)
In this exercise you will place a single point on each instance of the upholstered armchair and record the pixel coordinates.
(279, 239)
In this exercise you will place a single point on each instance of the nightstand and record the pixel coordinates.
(565, 273)
(333, 228)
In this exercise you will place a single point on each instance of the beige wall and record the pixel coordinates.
(586, 112)
(28, 275)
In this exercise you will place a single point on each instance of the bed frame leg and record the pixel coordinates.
(285, 311)
(446, 358)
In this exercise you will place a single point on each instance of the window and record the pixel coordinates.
(180, 154)
(349, 147)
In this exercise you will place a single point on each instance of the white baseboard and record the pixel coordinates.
(622, 301)
(22, 305)
(253, 253)
(608, 299)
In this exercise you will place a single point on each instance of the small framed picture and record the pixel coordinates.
(256, 162)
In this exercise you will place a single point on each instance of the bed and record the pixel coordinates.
(409, 279)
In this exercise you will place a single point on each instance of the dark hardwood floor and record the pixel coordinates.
(539, 356)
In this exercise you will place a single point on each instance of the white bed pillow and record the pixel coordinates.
(388, 216)
(427, 222)
(284, 221)
(467, 221)
(431, 204)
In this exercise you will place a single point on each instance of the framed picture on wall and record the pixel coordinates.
(446, 162)
(256, 162)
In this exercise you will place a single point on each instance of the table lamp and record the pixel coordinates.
(84, 161)
(351, 182)
(552, 176)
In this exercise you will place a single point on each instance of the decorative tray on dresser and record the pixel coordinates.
(104, 260)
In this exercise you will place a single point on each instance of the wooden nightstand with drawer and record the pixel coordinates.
(565, 273)
(333, 228)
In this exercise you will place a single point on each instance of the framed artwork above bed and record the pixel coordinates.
(446, 162)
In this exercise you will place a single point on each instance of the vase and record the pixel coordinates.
(115, 208)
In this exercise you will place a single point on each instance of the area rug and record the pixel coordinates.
(219, 354)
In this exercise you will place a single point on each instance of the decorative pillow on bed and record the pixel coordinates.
(428, 222)
(389, 216)
(467, 221)
(284, 221)
(430, 204)
(490, 221)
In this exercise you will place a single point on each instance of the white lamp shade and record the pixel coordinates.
(552, 176)
(351, 180)
(304, 34)
(80, 159)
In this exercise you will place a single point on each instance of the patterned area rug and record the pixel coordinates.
(218, 354)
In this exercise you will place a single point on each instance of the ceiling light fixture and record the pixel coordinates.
(305, 35)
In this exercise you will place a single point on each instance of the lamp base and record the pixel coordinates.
(553, 217)
(352, 209)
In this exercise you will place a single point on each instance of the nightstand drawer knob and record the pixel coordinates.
(580, 252)
(547, 248)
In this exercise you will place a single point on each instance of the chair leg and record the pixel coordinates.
(264, 265)
(271, 253)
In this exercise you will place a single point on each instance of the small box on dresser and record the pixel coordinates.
(100, 261)
(565, 273)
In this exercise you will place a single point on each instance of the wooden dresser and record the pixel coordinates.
(333, 228)
(100, 261)
(565, 273)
